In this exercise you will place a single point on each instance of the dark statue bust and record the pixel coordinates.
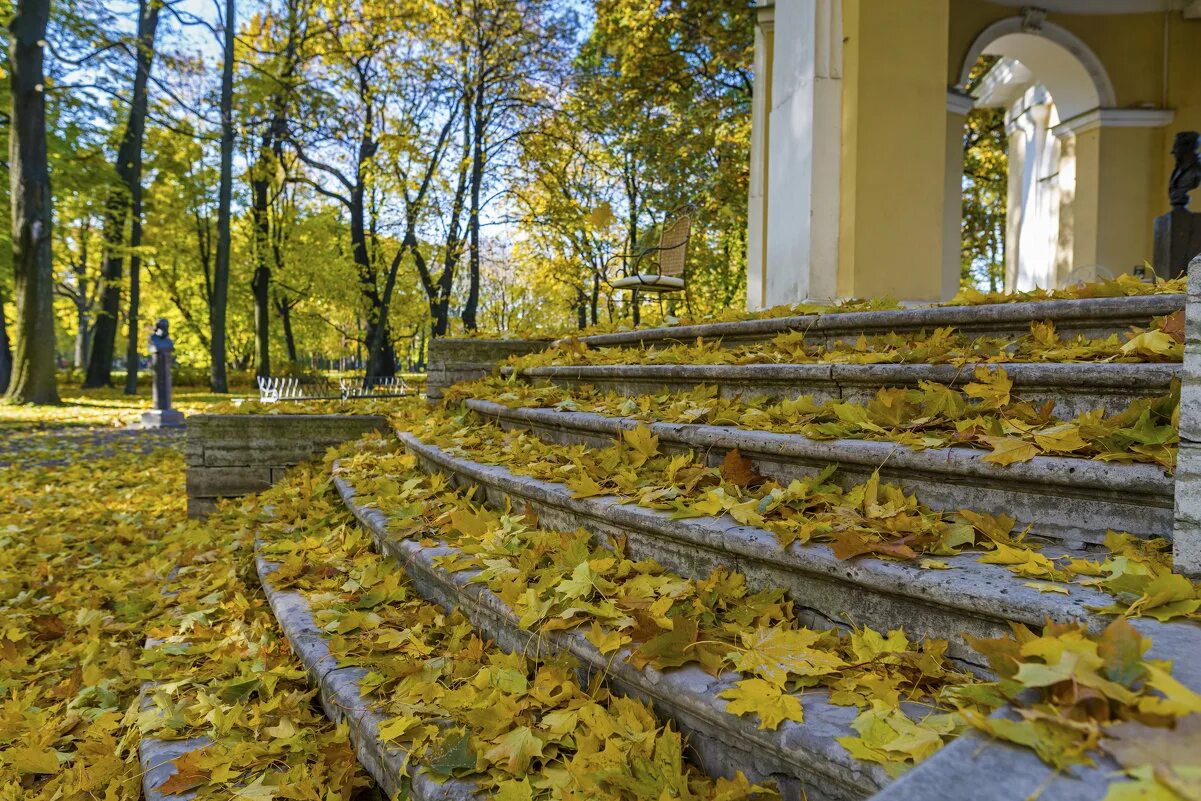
(1186, 176)
(159, 340)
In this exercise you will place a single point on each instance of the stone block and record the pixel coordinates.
(227, 482)
(201, 507)
(454, 360)
(1073, 388)
(236, 454)
(162, 418)
(1073, 500)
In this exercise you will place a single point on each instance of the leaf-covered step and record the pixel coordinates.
(1092, 317)
(960, 596)
(1135, 760)
(342, 700)
(435, 711)
(157, 756)
(805, 760)
(1072, 388)
(1069, 499)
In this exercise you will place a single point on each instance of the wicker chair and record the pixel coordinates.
(661, 269)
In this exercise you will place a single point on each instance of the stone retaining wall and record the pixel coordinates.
(455, 360)
(229, 455)
(1187, 535)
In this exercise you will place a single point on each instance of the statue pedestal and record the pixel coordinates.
(162, 418)
(1177, 241)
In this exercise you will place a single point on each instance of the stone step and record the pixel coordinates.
(1073, 388)
(1000, 771)
(1066, 499)
(1092, 317)
(338, 691)
(972, 598)
(804, 760)
(157, 756)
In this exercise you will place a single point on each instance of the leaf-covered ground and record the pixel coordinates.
(96, 554)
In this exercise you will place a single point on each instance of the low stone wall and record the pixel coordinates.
(229, 455)
(1187, 535)
(454, 360)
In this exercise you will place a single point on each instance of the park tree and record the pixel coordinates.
(220, 287)
(985, 186)
(565, 205)
(277, 37)
(124, 201)
(32, 378)
(671, 82)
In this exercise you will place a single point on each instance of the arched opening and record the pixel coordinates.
(1027, 84)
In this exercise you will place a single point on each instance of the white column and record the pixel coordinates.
(803, 149)
(756, 239)
(958, 106)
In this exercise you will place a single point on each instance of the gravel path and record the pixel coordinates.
(61, 445)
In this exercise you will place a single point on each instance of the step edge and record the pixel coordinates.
(1018, 603)
(1070, 473)
(295, 619)
(1067, 376)
(1068, 310)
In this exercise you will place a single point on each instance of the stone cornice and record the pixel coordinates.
(1115, 118)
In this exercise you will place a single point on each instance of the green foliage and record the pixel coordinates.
(985, 188)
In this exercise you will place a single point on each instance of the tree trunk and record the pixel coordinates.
(83, 308)
(375, 332)
(83, 341)
(217, 380)
(33, 370)
(285, 316)
(6, 353)
(260, 285)
(129, 170)
(440, 301)
(473, 217)
(595, 299)
(135, 292)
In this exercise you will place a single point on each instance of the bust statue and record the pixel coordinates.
(159, 340)
(1186, 176)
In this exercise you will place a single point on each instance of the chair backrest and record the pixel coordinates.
(673, 245)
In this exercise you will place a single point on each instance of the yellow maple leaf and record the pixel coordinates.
(1043, 586)
(515, 749)
(643, 442)
(1008, 450)
(1063, 438)
(33, 760)
(992, 387)
(765, 699)
(1152, 343)
(775, 653)
(606, 642)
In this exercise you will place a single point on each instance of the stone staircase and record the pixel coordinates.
(454, 360)
(1070, 503)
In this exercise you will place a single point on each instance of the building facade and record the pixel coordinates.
(857, 139)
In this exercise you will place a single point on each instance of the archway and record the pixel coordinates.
(1038, 78)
